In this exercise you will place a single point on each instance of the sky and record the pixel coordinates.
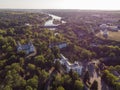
(61, 4)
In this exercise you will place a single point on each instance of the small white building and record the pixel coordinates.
(103, 26)
(74, 66)
(28, 48)
(27, 24)
(60, 45)
(113, 28)
(109, 27)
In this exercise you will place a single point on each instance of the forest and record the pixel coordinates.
(19, 71)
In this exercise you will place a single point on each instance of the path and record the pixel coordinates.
(101, 84)
(32, 54)
(97, 78)
(51, 72)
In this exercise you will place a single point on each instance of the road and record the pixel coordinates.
(32, 54)
(95, 76)
(91, 67)
(51, 72)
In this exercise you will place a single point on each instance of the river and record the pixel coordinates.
(50, 22)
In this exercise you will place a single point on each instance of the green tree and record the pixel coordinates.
(14, 79)
(33, 82)
(28, 88)
(21, 61)
(56, 52)
(10, 31)
(57, 81)
(2, 63)
(40, 60)
(86, 54)
(2, 32)
(31, 67)
(57, 65)
(74, 75)
(78, 85)
(43, 75)
(21, 53)
(109, 78)
(117, 85)
(60, 88)
(67, 80)
(7, 87)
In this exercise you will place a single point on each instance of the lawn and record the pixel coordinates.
(111, 36)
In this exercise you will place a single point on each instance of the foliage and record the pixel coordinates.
(60, 88)
(78, 85)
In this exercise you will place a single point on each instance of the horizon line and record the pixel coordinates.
(58, 9)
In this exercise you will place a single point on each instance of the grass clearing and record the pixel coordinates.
(112, 35)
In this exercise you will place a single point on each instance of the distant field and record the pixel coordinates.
(112, 35)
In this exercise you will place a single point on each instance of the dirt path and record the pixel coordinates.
(51, 72)
(32, 54)
(98, 79)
